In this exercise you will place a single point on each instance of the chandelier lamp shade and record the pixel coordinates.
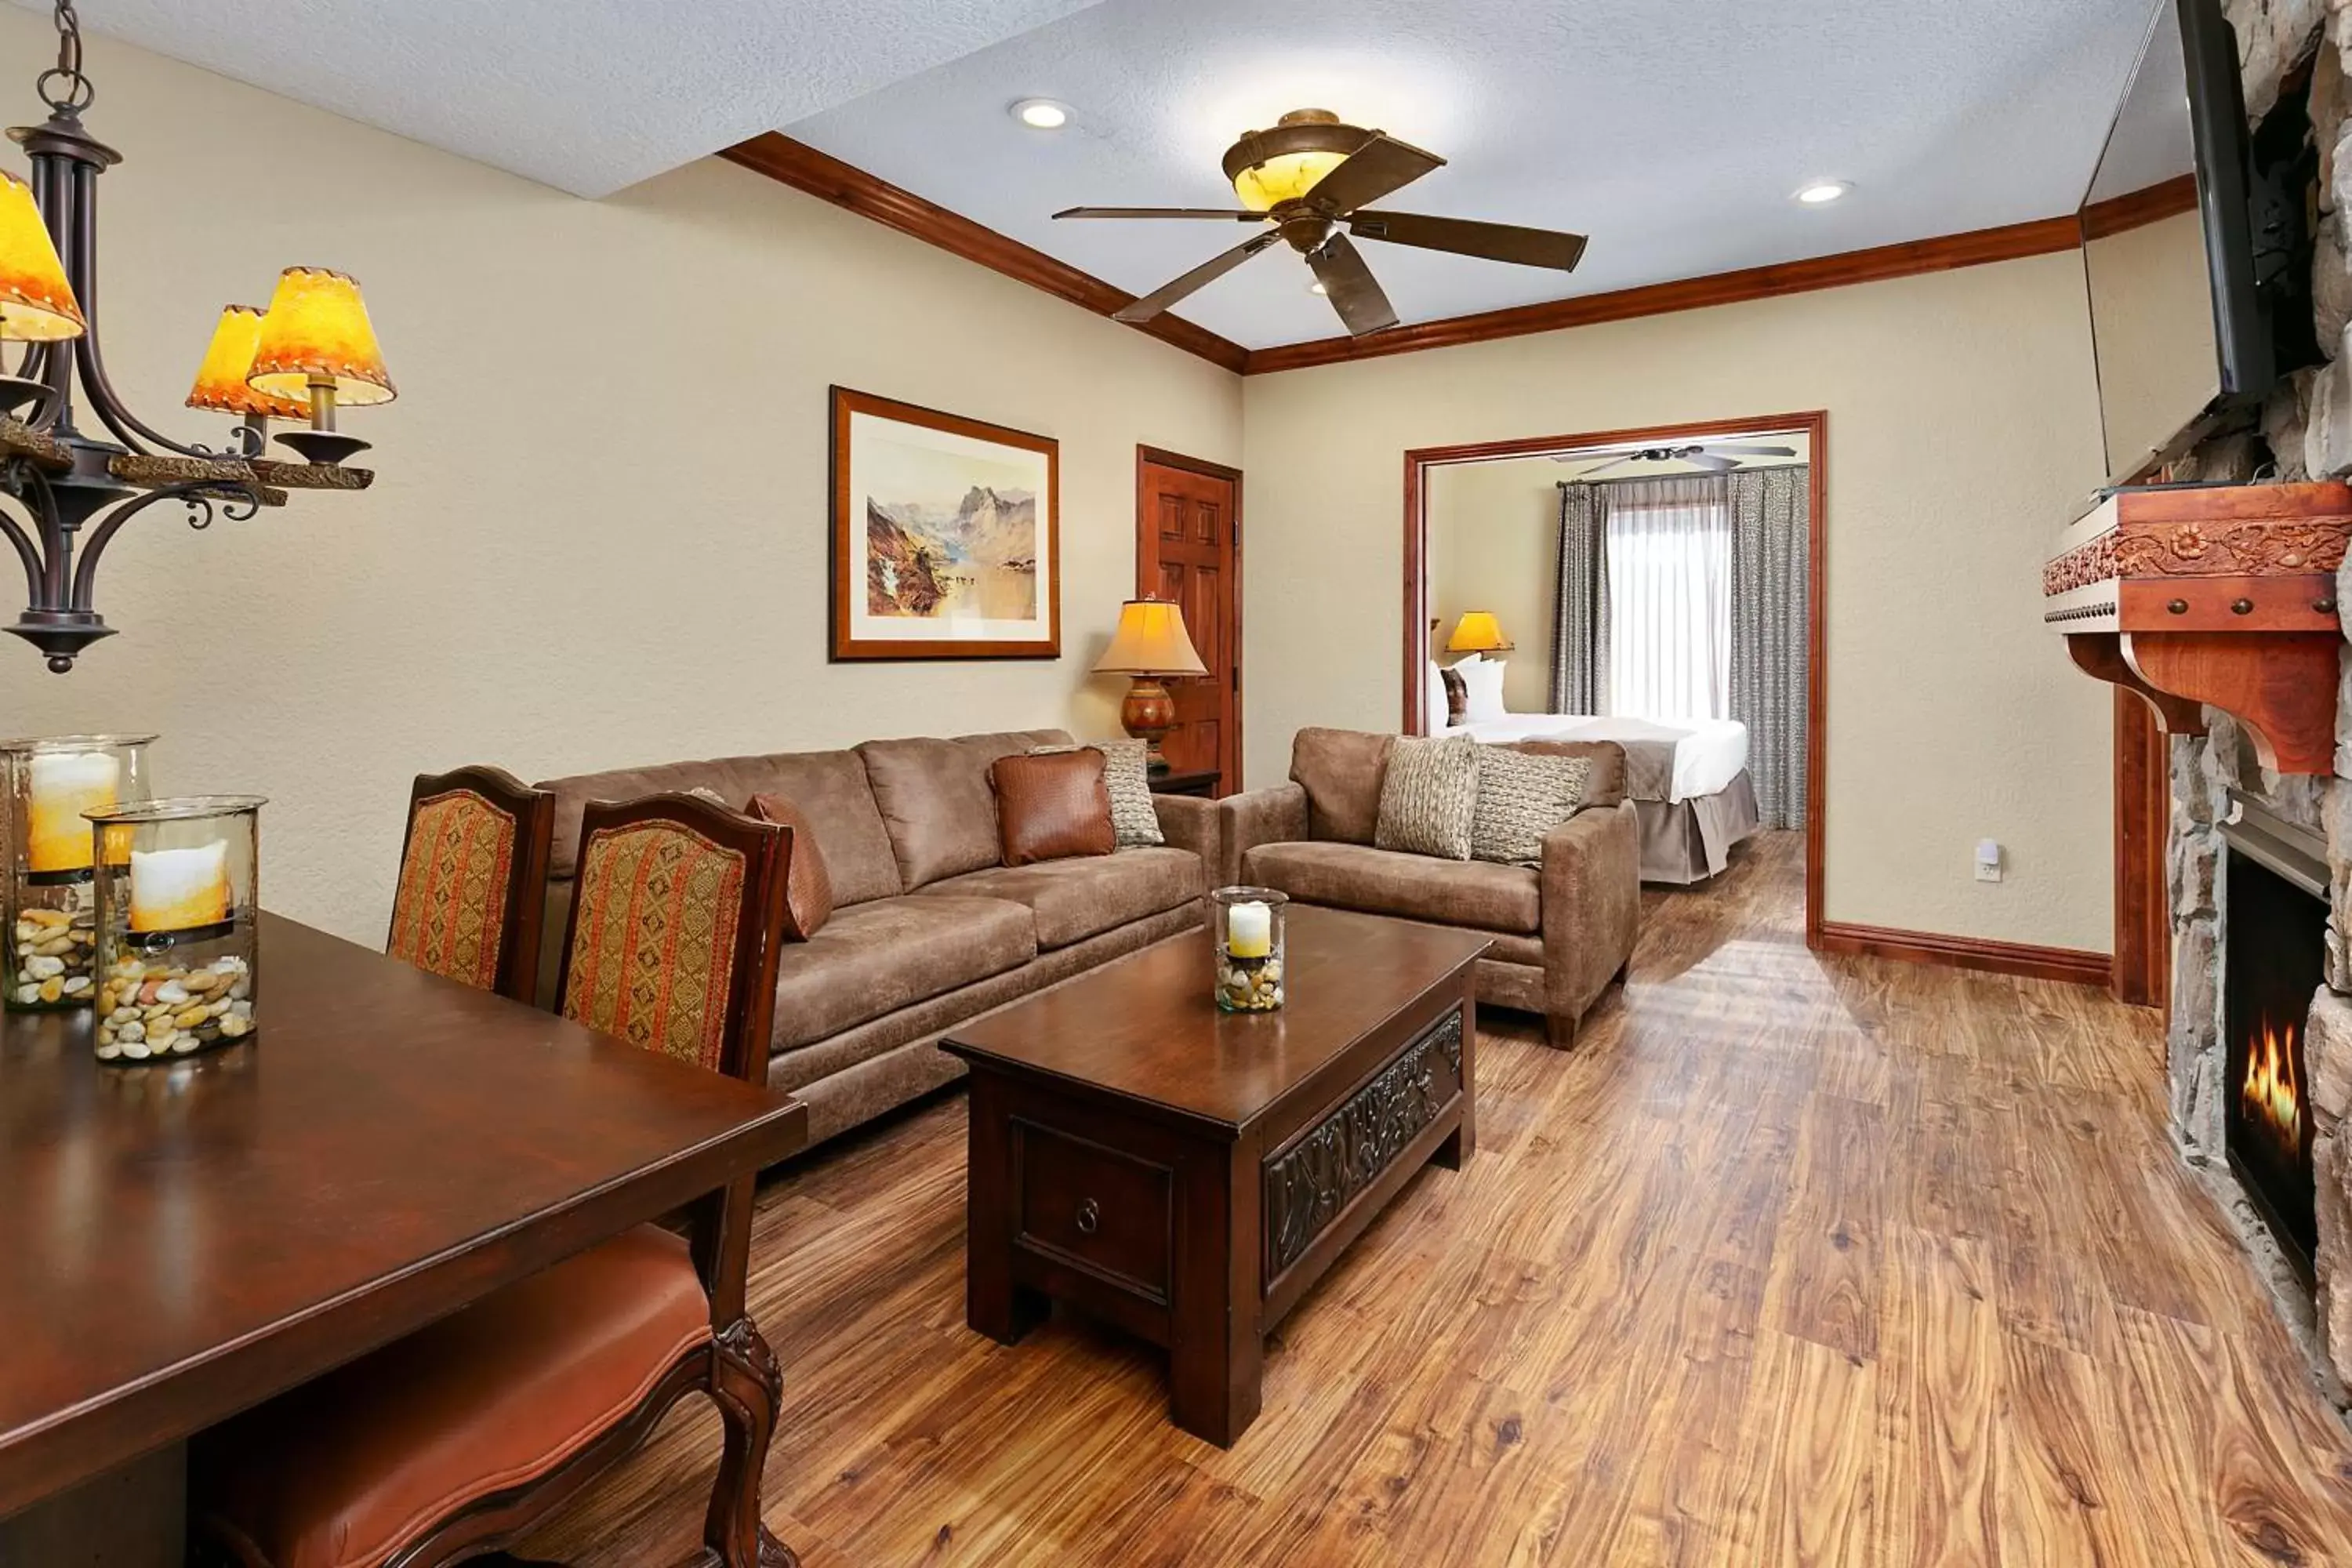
(75, 463)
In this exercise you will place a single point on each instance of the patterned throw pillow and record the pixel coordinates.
(1429, 799)
(1521, 797)
(1133, 821)
(1457, 696)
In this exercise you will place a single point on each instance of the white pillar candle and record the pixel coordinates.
(179, 889)
(64, 785)
(1249, 931)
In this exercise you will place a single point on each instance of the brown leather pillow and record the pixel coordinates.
(1052, 806)
(808, 885)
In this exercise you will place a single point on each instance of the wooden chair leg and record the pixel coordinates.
(747, 1385)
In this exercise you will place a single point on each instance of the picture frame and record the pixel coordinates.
(946, 535)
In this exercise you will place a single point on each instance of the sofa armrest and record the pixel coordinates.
(1277, 815)
(1591, 907)
(1191, 822)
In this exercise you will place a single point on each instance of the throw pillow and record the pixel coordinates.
(1483, 688)
(1052, 807)
(808, 885)
(1521, 797)
(1126, 773)
(1457, 698)
(1429, 799)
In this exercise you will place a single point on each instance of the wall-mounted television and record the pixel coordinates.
(2197, 244)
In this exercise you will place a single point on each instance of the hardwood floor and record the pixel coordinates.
(1791, 1260)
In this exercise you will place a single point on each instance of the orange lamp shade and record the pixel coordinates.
(221, 379)
(317, 328)
(1478, 632)
(36, 303)
(1151, 640)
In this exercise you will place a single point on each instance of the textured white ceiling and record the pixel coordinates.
(586, 95)
(1673, 134)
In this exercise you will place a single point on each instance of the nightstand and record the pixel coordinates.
(1202, 781)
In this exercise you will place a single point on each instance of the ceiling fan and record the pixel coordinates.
(1715, 456)
(1311, 177)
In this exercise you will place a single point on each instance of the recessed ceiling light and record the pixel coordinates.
(1821, 193)
(1316, 287)
(1042, 113)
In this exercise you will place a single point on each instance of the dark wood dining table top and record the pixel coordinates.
(181, 1240)
(1147, 1028)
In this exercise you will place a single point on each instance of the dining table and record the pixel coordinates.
(181, 1240)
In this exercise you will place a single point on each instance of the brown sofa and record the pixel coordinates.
(928, 928)
(1561, 934)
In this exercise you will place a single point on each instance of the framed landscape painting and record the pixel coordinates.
(946, 537)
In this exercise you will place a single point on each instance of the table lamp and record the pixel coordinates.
(1150, 642)
(1479, 632)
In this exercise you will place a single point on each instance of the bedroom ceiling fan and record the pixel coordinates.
(1311, 177)
(1715, 456)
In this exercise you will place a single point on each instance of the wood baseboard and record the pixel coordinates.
(2070, 964)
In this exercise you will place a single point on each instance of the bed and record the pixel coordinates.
(1688, 781)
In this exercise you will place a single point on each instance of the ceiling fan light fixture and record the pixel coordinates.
(1822, 193)
(1270, 168)
(1315, 286)
(1042, 113)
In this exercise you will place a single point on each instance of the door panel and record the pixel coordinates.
(1187, 551)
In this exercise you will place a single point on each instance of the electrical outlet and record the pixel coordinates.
(1988, 861)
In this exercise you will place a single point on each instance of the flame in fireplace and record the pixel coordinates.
(2270, 1097)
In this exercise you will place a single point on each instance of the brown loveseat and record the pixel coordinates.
(929, 927)
(1561, 934)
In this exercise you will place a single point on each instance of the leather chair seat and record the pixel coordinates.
(344, 1471)
(1474, 893)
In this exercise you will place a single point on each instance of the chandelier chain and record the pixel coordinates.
(63, 87)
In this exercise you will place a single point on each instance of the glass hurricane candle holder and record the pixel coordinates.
(1245, 928)
(50, 940)
(178, 898)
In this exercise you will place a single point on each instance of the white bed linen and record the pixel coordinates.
(1708, 752)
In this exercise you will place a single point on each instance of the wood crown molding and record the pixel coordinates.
(804, 168)
(2072, 965)
(819, 175)
(2042, 238)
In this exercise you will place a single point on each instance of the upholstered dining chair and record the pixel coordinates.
(459, 1439)
(473, 879)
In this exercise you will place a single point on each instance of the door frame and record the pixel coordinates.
(1144, 456)
(1813, 425)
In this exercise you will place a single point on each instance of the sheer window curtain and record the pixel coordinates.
(1668, 567)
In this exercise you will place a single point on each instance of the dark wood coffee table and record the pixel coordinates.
(1187, 1174)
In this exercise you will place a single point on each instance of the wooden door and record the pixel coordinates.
(1187, 532)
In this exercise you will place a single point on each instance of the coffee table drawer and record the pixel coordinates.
(1095, 1205)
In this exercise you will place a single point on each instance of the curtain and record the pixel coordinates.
(1772, 540)
(1668, 546)
(1580, 603)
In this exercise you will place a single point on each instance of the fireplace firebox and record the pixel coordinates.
(2274, 958)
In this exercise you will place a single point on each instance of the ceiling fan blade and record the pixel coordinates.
(1493, 241)
(1752, 451)
(1232, 214)
(1350, 285)
(1209, 272)
(1712, 463)
(1595, 473)
(1381, 165)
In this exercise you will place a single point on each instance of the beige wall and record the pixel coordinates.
(600, 535)
(1963, 426)
(1493, 541)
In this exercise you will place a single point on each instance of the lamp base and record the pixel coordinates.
(1149, 713)
(324, 447)
(60, 633)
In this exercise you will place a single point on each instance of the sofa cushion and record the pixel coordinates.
(1340, 771)
(1384, 882)
(877, 957)
(829, 787)
(936, 805)
(1052, 806)
(1077, 898)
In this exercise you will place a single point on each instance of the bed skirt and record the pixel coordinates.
(1688, 841)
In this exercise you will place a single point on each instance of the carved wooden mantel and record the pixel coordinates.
(2214, 594)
